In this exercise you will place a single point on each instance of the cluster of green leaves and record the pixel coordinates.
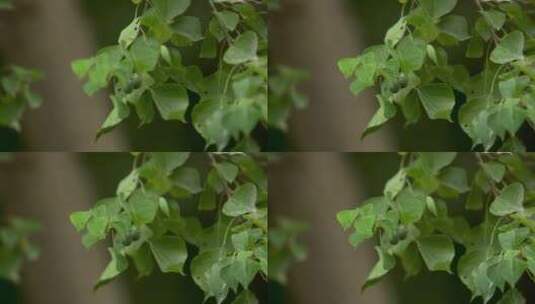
(16, 247)
(285, 249)
(413, 70)
(146, 68)
(16, 96)
(284, 95)
(477, 224)
(150, 222)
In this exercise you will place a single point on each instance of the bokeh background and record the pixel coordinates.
(49, 35)
(314, 35)
(313, 188)
(48, 187)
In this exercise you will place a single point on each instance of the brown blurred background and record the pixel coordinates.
(313, 187)
(313, 35)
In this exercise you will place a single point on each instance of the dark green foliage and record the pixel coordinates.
(16, 96)
(417, 79)
(284, 95)
(6, 4)
(16, 248)
(149, 228)
(419, 223)
(284, 248)
(147, 74)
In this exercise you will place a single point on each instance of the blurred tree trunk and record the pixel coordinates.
(48, 35)
(48, 187)
(313, 187)
(314, 35)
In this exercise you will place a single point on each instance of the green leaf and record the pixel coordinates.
(243, 49)
(468, 265)
(455, 179)
(170, 253)
(512, 296)
(455, 26)
(128, 185)
(384, 265)
(494, 170)
(529, 252)
(396, 32)
(507, 117)
(513, 239)
(242, 240)
(495, 18)
(363, 225)
(365, 222)
(187, 179)
(164, 206)
(437, 251)
(119, 113)
(206, 272)
(79, 219)
(438, 8)
(81, 67)
(348, 66)
(509, 201)
(188, 27)
(431, 205)
(143, 260)
(229, 19)
(241, 118)
(96, 227)
(411, 53)
(117, 265)
(169, 161)
(411, 206)
(434, 162)
(228, 171)
(241, 271)
(172, 101)
(386, 111)
(482, 284)
(509, 269)
(513, 87)
(346, 218)
(366, 69)
(143, 207)
(169, 9)
(242, 201)
(438, 100)
(510, 48)
(145, 53)
(411, 261)
(207, 118)
(129, 34)
(411, 108)
(395, 184)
